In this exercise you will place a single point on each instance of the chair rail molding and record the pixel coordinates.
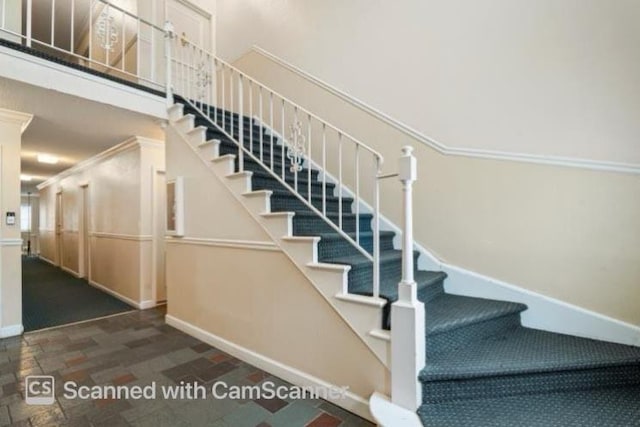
(574, 162)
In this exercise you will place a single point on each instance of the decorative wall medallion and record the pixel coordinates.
(107, 30)
(296, 146)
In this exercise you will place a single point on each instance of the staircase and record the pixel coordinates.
(483, 367)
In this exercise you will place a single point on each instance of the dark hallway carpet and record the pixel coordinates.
(52, 297)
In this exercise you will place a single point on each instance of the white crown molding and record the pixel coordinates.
(447, 150)
(16, 117)
(129, 144)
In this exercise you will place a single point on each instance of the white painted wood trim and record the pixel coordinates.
(445, 149)
(386, 413)
(544, 312)
(352, 402)
(121, 297)
(45, 259)
(70, 271)
(118, 236)
(10, 242)
(11, 331)
(129, 144)
(225, 243)
(17, 117)
(40, 72)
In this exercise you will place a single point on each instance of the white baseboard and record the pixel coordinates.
(45, 259)
(147, 304)
(11, 331)
(545, 313)
(351, 402)
(70, 271)
(387, 413)
(117, 295)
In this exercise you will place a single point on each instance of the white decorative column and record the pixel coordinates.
(12, 124)
(407, 313)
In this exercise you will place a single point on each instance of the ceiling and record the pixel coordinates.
(71, 128)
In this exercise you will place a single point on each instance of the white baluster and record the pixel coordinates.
(240, 124)
(357, 201)
(309, 158)
(324, 169)
(53, 22)
(72, 43)
(407, 313)
(340, 180)
(168, 35)
(29, 21)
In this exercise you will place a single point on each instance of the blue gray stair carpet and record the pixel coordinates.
(52, 297)
(483, 367)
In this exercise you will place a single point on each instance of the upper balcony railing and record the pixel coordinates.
(95, 34)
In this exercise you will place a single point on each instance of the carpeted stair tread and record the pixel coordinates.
(356, 260)
(423, 279)
(589, 408)
(448, 312)
(523, 350)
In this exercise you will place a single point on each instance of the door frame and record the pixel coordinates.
(84, 244)
(155, 222)
(205, 14)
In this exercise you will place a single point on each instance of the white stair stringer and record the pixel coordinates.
(362, 313)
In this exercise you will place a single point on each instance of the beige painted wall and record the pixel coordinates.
(12, 125)
(571, 234)
(544, 77)
(255, 298)
(120, 219)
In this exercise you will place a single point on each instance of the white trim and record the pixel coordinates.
(10, 242)
(351, 402)
(386, 413)
(119, 236)
(447, 150)
(129, 144)
(544, 312)
(121, 297)
(45, 259)
(26, 68)
(147, 304)
(16, 117)
(11, 331)
(70, 271)
(225, 243)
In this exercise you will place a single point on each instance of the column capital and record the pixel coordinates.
(16, 117)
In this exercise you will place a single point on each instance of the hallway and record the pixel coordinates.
(53, 297)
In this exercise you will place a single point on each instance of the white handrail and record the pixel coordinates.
(205, 77)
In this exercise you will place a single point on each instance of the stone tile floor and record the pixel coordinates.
(138, 348)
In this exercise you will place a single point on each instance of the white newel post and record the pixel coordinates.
(168, 37)
(407, 313)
